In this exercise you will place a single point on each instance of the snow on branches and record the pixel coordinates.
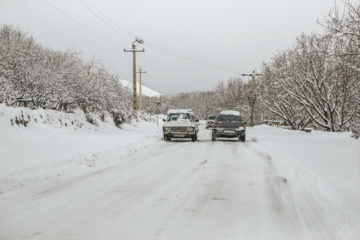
(317, 81)
(33, 76)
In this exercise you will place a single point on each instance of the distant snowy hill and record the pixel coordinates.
(146, 91)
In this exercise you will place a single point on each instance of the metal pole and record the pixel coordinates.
(250, 112)
(252, 103)
(133, 50)
(134, 78)
(252, 97)
(140, 97)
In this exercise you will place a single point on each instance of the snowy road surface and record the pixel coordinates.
(184, 190)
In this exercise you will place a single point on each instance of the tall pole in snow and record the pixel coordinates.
(134, 50)
(140, 97)
(252, 96)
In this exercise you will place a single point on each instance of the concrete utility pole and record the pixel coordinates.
(140, 97)
(158, 105)
(134, 50)
(252, 96)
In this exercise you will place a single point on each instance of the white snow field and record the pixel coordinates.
(67, 182)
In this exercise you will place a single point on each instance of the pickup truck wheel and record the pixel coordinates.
(242, 138)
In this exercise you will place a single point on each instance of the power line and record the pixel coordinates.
(133, 36)
(189, 57)
(194, 59)
(82, 25)
(166, 50)
(90, 7)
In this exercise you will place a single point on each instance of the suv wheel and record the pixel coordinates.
(213, 136)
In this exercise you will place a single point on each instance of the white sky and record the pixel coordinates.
(235, 33)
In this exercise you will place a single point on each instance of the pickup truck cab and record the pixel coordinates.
(180, 123)
(229, 124)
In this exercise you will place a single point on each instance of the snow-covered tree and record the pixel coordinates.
(231, 95)
(311, 77)
(277, 101)
(34, 76)
(344, 24)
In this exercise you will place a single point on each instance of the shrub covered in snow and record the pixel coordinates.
(37, 77)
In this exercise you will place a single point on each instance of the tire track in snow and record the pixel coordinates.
(295, 205)
(175, 190)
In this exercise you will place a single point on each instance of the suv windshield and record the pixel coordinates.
(229, 118)
(179, 117)
(211, 117)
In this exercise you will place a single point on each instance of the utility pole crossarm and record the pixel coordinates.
(134, 50)
(141, 71)
(252, 74)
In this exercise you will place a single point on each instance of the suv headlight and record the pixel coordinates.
(166, 129)
(190, 129)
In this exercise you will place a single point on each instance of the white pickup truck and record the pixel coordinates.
(180, 123)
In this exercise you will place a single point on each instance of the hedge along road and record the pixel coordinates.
(177, 190)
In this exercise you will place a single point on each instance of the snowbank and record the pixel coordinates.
(42, 144)
(320, 167)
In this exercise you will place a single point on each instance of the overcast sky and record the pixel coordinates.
(239, 35)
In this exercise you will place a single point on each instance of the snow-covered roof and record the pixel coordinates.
(230, 112)
(145, 90)
(175, 111)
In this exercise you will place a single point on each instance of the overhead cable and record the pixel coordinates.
(83, 25)
(163, 49)
(94, 10)
(193, 59)
(189, 57)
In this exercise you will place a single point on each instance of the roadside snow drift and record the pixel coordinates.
(55, 143)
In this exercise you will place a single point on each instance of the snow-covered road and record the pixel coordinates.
(179, 190)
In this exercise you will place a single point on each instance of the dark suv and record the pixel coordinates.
(229, 124)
